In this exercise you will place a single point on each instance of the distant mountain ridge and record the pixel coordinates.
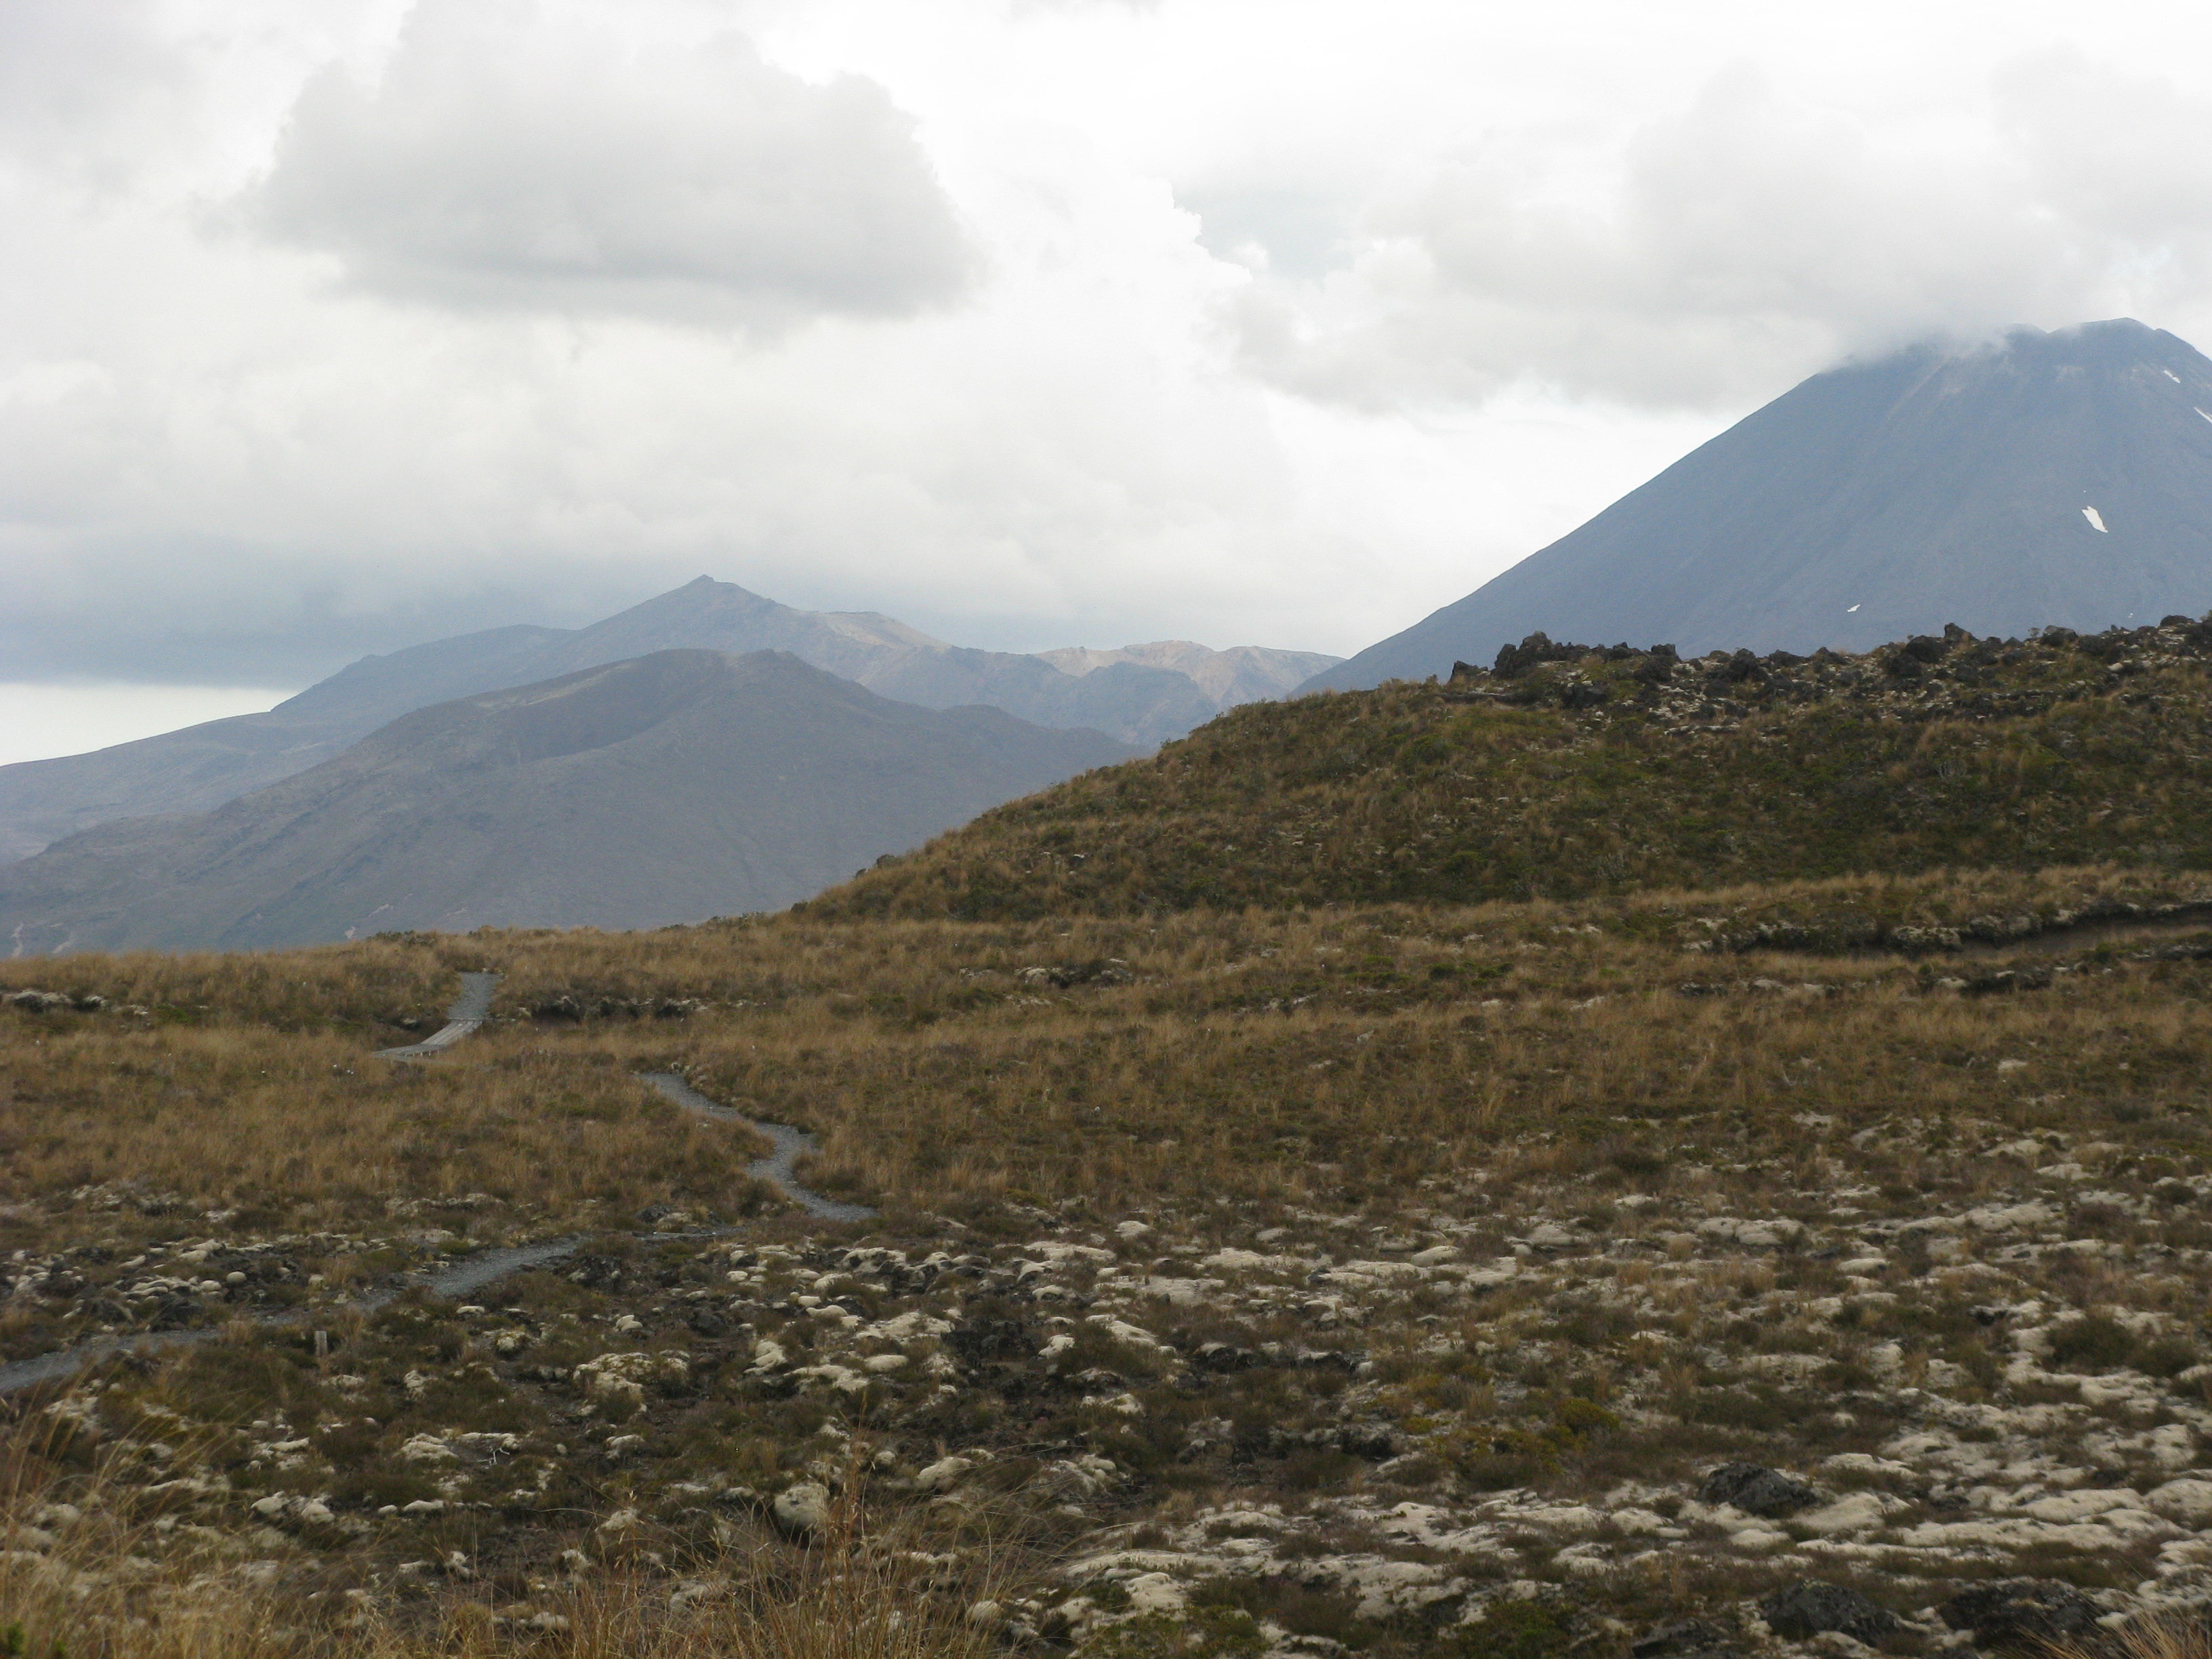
(1242, 674)
(665, 788)
(2060, 479)
(1139, 702)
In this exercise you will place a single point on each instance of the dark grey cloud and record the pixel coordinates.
(503, 161)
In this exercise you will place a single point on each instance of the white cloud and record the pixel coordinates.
(1746, 240)
(76, 80)
(507, 158)
(352, 325)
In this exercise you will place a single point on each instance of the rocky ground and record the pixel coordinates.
(1789, 1271)
(1634, 1409)
(1953, 675)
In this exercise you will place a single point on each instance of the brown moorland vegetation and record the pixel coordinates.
(1602, 1146)
(1726, 1144)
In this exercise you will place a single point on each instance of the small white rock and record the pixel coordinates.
(802, 1509)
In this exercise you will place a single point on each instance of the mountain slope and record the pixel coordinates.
(1140, 702)
(667, 787)
(1577, 772)
(1242, 674)
(2060, 478)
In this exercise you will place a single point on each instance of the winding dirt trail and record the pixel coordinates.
(469, 1012)
(778, 1168)
(466, 1017)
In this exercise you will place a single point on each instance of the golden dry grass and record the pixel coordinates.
(1285, 1059)
(328, 985)
(302, 1129)
(1276, 1056)
(2173, 1635)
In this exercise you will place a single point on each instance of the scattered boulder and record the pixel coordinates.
(802, 1511)
(1515, 660)
(2187, 1501)
(1757, 1490)
(2020, 1613)
(983, 1340)
(1809, 1608)
(1226, 1357)
(1064, 975)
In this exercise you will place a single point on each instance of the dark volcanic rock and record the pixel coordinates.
(983, 1340)
(1757, 1490)
(1684, 1639)
(2020, 1613)
(1809, 1608)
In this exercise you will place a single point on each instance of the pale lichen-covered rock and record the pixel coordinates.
(2188, 1501)
(2081, 1505)
(1768, 1234)
(943, 1475)
(802, 1510)
(1860, 1512)
(626, 1375)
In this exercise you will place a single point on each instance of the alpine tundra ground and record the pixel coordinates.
(1807, 1268)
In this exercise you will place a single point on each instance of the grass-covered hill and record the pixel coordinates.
(1568, 771)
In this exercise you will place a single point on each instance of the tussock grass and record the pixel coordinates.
(361, 985)
(301, 1129)
(2171, 1635)
(1278, 1057)
(1282, 1061)
(88, 1571)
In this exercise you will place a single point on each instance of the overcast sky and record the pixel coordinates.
(326, 329)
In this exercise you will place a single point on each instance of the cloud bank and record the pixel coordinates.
(1746, 240)
(1036, 324)
(497, 163)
